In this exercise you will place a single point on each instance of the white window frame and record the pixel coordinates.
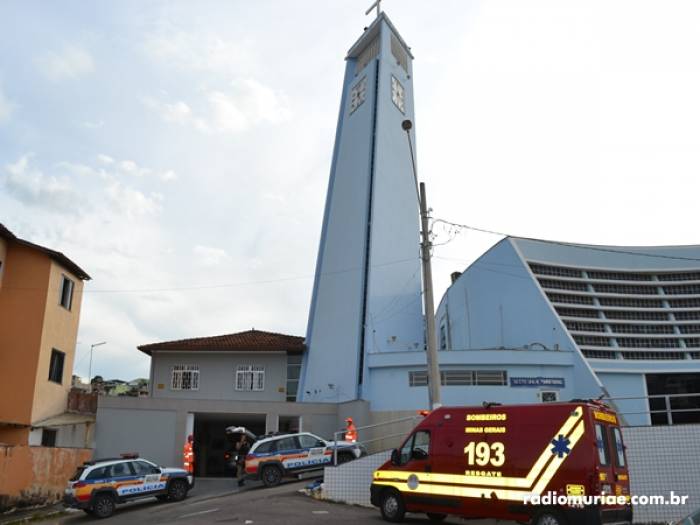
(249, 378)
(179, 372)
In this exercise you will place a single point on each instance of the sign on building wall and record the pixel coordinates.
(553, 382)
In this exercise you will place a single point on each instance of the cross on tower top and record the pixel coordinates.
(377, 4)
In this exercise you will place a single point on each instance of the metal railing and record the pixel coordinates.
(340, 433)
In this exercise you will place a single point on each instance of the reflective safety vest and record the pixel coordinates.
(351, 432)
(188, 458)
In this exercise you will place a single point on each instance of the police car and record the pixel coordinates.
(97, 486)
(272, 458)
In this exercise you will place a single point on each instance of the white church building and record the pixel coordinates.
(529, 321)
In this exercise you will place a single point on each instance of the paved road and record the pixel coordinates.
(252, 506)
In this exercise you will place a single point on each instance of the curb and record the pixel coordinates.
(34, 515)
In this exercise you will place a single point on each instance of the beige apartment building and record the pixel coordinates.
(41, 292)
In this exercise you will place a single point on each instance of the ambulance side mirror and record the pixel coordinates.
(395, 457)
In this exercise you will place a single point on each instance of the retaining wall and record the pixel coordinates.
(35, 475)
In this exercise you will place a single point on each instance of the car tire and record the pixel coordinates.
(548, 517)
(271, 475)
(177, 490)
(392, 506)
(432, 516)
(103, 506)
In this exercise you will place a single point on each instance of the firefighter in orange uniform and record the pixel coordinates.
(350, 430)
(188, 455)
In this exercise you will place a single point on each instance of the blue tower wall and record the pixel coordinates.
(366, 295)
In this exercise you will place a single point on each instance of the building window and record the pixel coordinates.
(366, 55)
(443, 337)
(598, 354)
(418, 378)
(630, 303)
(66, 292)
(578, 326)
(619, 276)
(591, 340)
(358, 94)
(399, 53)
(558, 271)
(625, 289)
(549, 396)
(687, 276)
(185, 377)
(569, 299)
(491, 377)
(250, 378)
(48, 437)
(638, 342)
(398, 94)
(673, 398)
(56, 366)
(577, 312)
(293, 373)
(461, 378)
(682, 289)
(563, 285)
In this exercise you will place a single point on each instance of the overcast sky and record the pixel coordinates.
(185, 147)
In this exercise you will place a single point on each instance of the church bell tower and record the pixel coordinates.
(367, 290)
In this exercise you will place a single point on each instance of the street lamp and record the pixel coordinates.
(92, 347)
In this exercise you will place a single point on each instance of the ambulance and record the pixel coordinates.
(526, 463)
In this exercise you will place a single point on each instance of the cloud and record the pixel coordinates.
(246, 104)
(132, 202)
(129, 167)
(209, 256)
(7, 107)
(68, 63)
(67, 194)
(113, 169)
(196, 52)
(93, 125)
(31, 187)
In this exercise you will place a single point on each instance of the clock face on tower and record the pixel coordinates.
(397, 94)
(358, 94)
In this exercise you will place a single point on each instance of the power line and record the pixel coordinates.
(567, 244)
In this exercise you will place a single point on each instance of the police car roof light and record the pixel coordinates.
(129, 455)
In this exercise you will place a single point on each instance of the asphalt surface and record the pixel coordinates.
(251, 506)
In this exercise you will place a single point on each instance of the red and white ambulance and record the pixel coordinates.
(512, 463)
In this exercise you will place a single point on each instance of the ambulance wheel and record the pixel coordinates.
(392, 506)
(103, 506)
(271, 476)
(548, 517)
(436, 517)
(177, 490)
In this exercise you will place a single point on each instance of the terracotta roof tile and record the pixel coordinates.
(249, 341)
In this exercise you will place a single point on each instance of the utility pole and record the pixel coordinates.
(428, 302)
